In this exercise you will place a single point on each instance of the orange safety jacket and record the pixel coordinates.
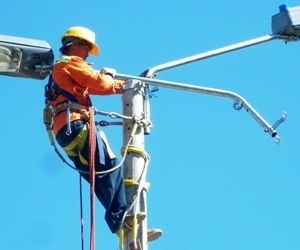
(74, 75)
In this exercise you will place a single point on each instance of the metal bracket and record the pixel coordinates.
(133, 84)
(106, 123)
(215, 92)
(272, 130)
(281, 120)
(239, 101)
(138, 118)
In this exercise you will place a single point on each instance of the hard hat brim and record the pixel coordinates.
(94, 50)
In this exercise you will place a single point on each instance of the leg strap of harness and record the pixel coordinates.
(75, 147)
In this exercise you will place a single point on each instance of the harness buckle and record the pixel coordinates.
(47, 116)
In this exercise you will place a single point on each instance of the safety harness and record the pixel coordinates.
(52, 91)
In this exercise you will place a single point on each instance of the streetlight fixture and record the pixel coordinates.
(287, 21)
(26, 58)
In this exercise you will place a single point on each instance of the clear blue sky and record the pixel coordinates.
(217, 180)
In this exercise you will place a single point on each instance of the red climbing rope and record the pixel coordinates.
(92, 150)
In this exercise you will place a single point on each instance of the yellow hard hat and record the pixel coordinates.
(83, 34)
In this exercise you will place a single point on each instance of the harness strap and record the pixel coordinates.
(59, 91)
(74, 106)
(75, 147)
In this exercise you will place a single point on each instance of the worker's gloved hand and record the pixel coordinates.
(108, 71)
(144, 74)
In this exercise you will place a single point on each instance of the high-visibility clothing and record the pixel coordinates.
(75, 76)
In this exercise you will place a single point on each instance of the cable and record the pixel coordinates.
(81, 213)
(101, 172)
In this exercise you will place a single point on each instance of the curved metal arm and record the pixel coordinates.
(219, 51)
(216, 92)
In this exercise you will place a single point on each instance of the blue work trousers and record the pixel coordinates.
(109, 188)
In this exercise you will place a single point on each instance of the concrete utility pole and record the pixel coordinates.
(135, 164)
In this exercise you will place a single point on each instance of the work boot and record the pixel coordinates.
(153, 234)
(127, 224)
(129, 219)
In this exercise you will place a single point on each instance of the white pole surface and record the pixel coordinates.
(134, 164)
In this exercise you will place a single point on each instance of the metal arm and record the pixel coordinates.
(219, 51)
(151, 72)
(216, 92)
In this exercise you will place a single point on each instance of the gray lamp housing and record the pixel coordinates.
(287, 21)
(20, 57)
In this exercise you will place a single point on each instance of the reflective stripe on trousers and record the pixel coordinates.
(109, 188)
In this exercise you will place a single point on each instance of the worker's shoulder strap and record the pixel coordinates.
(63, 59)
(52, 95)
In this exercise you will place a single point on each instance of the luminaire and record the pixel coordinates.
(21, 57)
(287, 21)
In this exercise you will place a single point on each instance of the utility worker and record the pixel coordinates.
(70, 84)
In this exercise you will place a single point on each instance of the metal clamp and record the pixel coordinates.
(106, 123)
(69, 131)
(271, 131)
(138, 118)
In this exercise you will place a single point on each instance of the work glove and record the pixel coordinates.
(144, 73)
(108, 71)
